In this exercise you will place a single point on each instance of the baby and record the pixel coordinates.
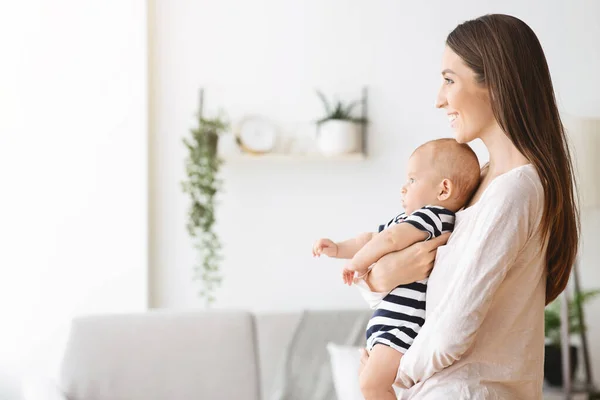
(442, 177)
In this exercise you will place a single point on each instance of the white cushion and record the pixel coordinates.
(345, 361)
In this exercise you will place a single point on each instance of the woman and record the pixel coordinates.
(513, 246)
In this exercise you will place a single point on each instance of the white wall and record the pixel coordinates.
(73, 162)
(267, 57)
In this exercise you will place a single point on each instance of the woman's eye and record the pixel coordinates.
(448, 81)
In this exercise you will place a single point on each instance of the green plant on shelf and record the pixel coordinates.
(338, 111)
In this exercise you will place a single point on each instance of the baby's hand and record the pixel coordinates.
(348, 276)
(352, 274)
(325, 246)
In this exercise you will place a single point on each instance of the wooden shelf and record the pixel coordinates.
(293, 157)
(230, 151)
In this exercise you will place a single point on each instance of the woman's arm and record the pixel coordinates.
(405, 266)
(504, 223)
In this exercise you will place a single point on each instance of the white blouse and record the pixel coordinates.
(483, 336)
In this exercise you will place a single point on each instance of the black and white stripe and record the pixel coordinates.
(401, 314)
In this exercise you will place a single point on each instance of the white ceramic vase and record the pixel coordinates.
(337, 137)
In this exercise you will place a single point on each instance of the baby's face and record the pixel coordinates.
(422, 183)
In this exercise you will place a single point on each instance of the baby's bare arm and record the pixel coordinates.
(395, 238)
(348, 248)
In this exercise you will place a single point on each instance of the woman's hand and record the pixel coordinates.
(405, 266)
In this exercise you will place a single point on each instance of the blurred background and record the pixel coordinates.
(96, 97)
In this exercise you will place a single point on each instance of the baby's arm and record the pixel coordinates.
(346, 249)
(395, 238)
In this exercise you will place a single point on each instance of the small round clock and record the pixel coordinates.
(256, 135)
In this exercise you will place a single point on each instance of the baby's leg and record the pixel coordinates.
(379, 374)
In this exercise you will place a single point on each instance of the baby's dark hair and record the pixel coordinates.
(456, 162)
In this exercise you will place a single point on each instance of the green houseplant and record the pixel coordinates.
(553, 358)
(339, 111)
(202, 185)
(338, 130)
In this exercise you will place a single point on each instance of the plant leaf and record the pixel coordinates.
(325, 102)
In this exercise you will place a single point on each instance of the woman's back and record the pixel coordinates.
(486, 298)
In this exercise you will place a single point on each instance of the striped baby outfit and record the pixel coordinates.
(401, 314)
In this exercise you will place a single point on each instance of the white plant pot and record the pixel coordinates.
(338, 137)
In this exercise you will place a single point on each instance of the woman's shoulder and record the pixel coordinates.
(519, 185)
(524, 178)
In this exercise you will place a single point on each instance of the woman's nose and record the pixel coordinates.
(440, 100)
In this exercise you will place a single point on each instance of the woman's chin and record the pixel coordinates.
(461, 137)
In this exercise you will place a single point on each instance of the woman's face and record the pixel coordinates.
(466, 101)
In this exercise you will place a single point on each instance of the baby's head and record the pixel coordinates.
(441, 172)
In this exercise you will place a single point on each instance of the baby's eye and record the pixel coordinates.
(411, 180)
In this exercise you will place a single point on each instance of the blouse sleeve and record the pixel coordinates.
(504, 223)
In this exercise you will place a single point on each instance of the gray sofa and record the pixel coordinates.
(212, 355)
(166, 355)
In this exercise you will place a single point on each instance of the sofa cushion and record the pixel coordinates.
(162, 355)
(345, 363)
(293, 350)
(274, 334)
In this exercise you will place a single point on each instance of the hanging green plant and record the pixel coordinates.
(202, 185)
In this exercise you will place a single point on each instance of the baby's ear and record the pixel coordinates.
(445, 189)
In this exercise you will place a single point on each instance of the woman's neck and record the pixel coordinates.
(504, 156)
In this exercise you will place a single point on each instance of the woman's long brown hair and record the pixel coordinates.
(507, 57)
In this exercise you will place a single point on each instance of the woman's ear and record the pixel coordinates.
(445, 189)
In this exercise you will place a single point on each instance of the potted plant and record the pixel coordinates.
(553, 356)
(202, 185)
(338, 131)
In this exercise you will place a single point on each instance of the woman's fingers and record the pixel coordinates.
(430, 267)
(434, 243)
